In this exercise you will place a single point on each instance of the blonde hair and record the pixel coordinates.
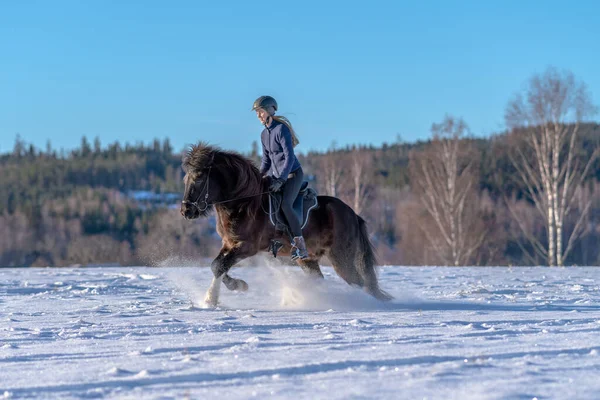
(286, 122)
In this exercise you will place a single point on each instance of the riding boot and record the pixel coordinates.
(299, 248)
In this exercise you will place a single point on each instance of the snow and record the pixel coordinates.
(451, 333)
(170, 200)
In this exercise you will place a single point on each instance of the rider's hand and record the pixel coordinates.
(276, 184)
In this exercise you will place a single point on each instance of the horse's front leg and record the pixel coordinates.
(220, 268)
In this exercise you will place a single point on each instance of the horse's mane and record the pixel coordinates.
(237, 169)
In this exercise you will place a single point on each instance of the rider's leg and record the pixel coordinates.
(290, 192)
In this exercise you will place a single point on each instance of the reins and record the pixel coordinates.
(239, 198)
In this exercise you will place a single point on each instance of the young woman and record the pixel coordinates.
(279, 161)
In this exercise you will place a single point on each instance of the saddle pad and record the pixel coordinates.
(304, 203)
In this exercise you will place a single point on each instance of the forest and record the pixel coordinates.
(526, 196)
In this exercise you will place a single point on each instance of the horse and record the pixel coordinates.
(232, 185)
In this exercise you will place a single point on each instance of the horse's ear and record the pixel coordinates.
(212, 159)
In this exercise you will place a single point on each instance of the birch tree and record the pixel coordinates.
(544, 122)
(444, 177)
(359, 168)
(331, 171)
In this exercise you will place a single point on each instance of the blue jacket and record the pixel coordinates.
(278, 151)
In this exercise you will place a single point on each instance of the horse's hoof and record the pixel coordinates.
(291, 297)
(241, 286)
(236, 284)
(209, 304)
(210, 301)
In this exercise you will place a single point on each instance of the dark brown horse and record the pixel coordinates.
(232, 185)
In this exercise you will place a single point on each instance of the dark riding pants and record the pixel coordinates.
(290, 192)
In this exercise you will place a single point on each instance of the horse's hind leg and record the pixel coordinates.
(343, 264)
(353, 256)
(311, 268)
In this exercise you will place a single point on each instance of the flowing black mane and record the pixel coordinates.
(242, 175)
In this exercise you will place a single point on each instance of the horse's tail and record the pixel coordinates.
(366, 261)
(351, 253)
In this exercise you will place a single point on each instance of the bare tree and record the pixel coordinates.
(359, 168)
(545, 122)
(332, 170)
(444, 177)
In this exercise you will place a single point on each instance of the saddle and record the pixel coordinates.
(304, 203)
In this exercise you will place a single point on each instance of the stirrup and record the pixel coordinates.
(297, 253)
(274, 247)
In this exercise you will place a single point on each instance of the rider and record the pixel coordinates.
(278, 142)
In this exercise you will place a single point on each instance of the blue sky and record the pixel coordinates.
(349, 72)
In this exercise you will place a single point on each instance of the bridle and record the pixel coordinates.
(205, 201)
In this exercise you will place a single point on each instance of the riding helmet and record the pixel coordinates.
(264, 102)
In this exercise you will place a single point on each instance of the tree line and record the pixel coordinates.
(525, 196)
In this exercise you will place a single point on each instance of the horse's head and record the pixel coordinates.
(200, 185)
(215, 176)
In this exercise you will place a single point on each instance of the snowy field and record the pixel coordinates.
(451, 333)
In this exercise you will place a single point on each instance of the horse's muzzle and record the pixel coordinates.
(189, 211)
